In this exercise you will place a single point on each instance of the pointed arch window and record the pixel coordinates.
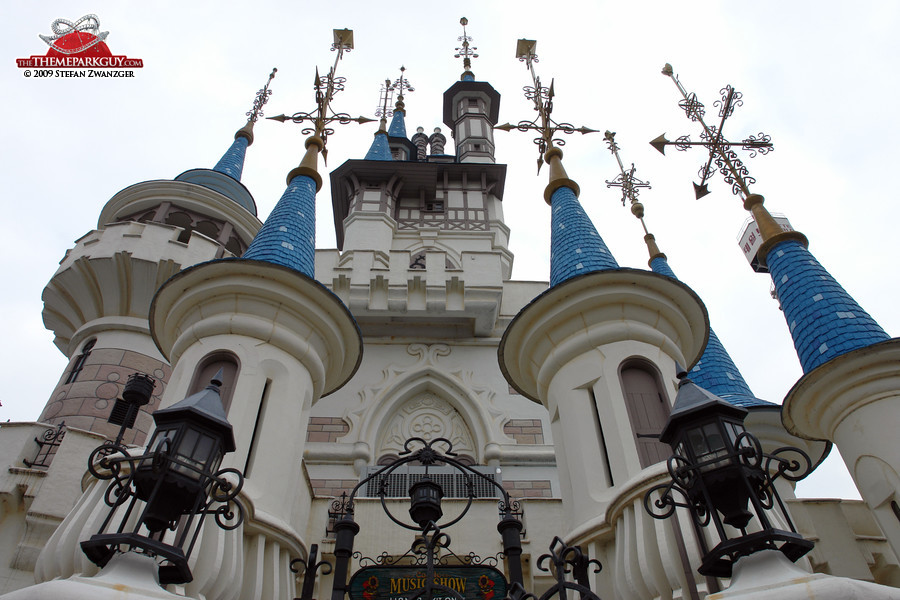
(207, 369)
(648, 409)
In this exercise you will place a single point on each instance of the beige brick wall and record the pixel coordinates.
(326, 429)
(525, 431)
(332, 487)
(535, 488)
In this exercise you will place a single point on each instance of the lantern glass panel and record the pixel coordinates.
(196, 449)
(697, 442)
(710, 446)
(734, 430)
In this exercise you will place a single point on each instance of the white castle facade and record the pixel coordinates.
(412, 327)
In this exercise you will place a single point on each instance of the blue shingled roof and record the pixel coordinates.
(575, 246)
(288, 237)
(824, 320)
(398, 124)
(468, 76)
(232, 162)
(380, 149)
(715, 371)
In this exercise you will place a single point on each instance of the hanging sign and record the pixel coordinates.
(470, 582)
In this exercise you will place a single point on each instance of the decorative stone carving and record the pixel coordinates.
(427, 417)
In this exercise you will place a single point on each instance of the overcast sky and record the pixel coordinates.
(819, 77)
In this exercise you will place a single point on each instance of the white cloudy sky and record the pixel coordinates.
(820, 77)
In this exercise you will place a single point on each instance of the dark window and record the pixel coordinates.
(183, 220)
(78, 365)
(434, 206)
(207, 370)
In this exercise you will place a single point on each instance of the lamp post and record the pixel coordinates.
(171, 487)
(723, 478)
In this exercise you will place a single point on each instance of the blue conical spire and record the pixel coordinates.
(715, 371)
(232, 162)
(575, 246)
(398, 122)
(288, 237)
(824, 320)
(380, 149)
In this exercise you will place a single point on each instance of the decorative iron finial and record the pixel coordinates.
(465, 51)
(720, 150)
(543, 105)
(631, 186)
(402, 84)
(262, 96)
(326, 87)
(626, 180)
(386, 93)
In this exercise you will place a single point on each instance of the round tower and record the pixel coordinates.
(98, 300)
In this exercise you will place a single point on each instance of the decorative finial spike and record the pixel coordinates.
(262, 97)
(466, 51)
(400, 85)
(219, 378)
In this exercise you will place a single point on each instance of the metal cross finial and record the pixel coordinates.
(465, 51)
(720, 149)
(262, 96)
(626, 180)
(326, 87)
(543, 105)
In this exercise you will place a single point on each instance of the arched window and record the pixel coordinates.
(648, 410)
(78, 365)
(183, 220)
(208, 228)
(208, 368)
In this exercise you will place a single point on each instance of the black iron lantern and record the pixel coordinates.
(721, 472)
(425, 501)
(708, 433)
(177, 480)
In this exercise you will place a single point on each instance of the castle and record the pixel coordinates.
(331, 359)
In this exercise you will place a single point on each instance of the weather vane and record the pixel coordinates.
(326, 87)
(626, 180)
(262, 96)
(465, 51)
(720, 149)
(543, 105)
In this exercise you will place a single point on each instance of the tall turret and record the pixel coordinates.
(598, 350)
(471, 109)
(850, 387)
(282, 340)
(98, 300)
(420, 232)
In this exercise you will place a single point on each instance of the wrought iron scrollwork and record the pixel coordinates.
(542, 98)
(49, 441)
(326, 86)
(310, 569)
(262, 97)
(757, 472)
(721, 151)
(559, 562)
